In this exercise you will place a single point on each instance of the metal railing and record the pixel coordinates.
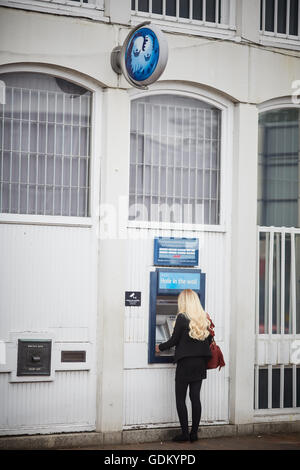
(277, 375)
(219, 14)
(280, 19)
(278, 288)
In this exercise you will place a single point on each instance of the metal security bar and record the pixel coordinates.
(280, 18)
(277, 387)
(200, 12)
(175, 160)
(278, 299)
(44, 152)
(277, 376)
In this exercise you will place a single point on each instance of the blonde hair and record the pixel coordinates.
(189, 304)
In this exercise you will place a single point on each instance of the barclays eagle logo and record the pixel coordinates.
(142, 54)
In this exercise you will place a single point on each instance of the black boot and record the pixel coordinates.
(193, 436)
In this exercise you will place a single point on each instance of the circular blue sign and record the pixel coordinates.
(142, 54)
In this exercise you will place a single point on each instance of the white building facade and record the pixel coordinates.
(92, 170)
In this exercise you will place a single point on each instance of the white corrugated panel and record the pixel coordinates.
(149, 389)
(149, 396)
(66, 404)
(52, 270)
(48, 284)
(214, 395)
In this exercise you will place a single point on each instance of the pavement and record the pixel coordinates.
(278, 441)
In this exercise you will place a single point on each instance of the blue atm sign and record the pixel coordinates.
(177, 281)
(176, 251)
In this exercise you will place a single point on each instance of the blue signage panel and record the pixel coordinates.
(176, 281)
(176, 251)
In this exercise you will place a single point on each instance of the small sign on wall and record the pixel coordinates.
(133, 299)
(176, 251)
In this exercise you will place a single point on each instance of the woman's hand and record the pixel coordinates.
(157, 350)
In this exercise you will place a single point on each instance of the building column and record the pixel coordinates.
(243, 263)
(112, 262)
(248, 19)
(118, 11)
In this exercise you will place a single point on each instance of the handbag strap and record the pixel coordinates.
(211, 327)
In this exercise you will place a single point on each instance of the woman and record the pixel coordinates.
(191, 338)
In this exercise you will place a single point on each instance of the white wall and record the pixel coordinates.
(244, 72)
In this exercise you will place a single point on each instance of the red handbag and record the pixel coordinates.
(217, 359)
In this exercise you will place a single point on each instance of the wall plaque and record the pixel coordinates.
(34, 357)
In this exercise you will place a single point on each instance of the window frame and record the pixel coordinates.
(226, 148)
(273, 38)
(93, 11)
(276, 104)
(190, 25)
(95, 150)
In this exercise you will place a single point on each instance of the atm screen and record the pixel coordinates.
(166, 310)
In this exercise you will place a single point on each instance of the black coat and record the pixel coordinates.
(185, 346)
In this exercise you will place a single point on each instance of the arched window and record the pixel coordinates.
(174, 160)
(45, 124)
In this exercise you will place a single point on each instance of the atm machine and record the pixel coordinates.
(165, 285)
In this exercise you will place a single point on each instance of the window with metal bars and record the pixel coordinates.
(279, 208)
(279, 282)
(280, 17)
(202, 10)
(277, 387)
(45, 126)
(278, 168)
(174, 160)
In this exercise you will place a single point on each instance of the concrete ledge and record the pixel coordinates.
(111, 438)
(51, 441)
(134, 436)
(218, 430)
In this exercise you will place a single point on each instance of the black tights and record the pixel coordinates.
(180, 393)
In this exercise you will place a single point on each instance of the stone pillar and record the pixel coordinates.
(243, 263)
(248, 19)
(112, 262)
(119, 11)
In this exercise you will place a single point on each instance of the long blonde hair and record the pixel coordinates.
(189, 304)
